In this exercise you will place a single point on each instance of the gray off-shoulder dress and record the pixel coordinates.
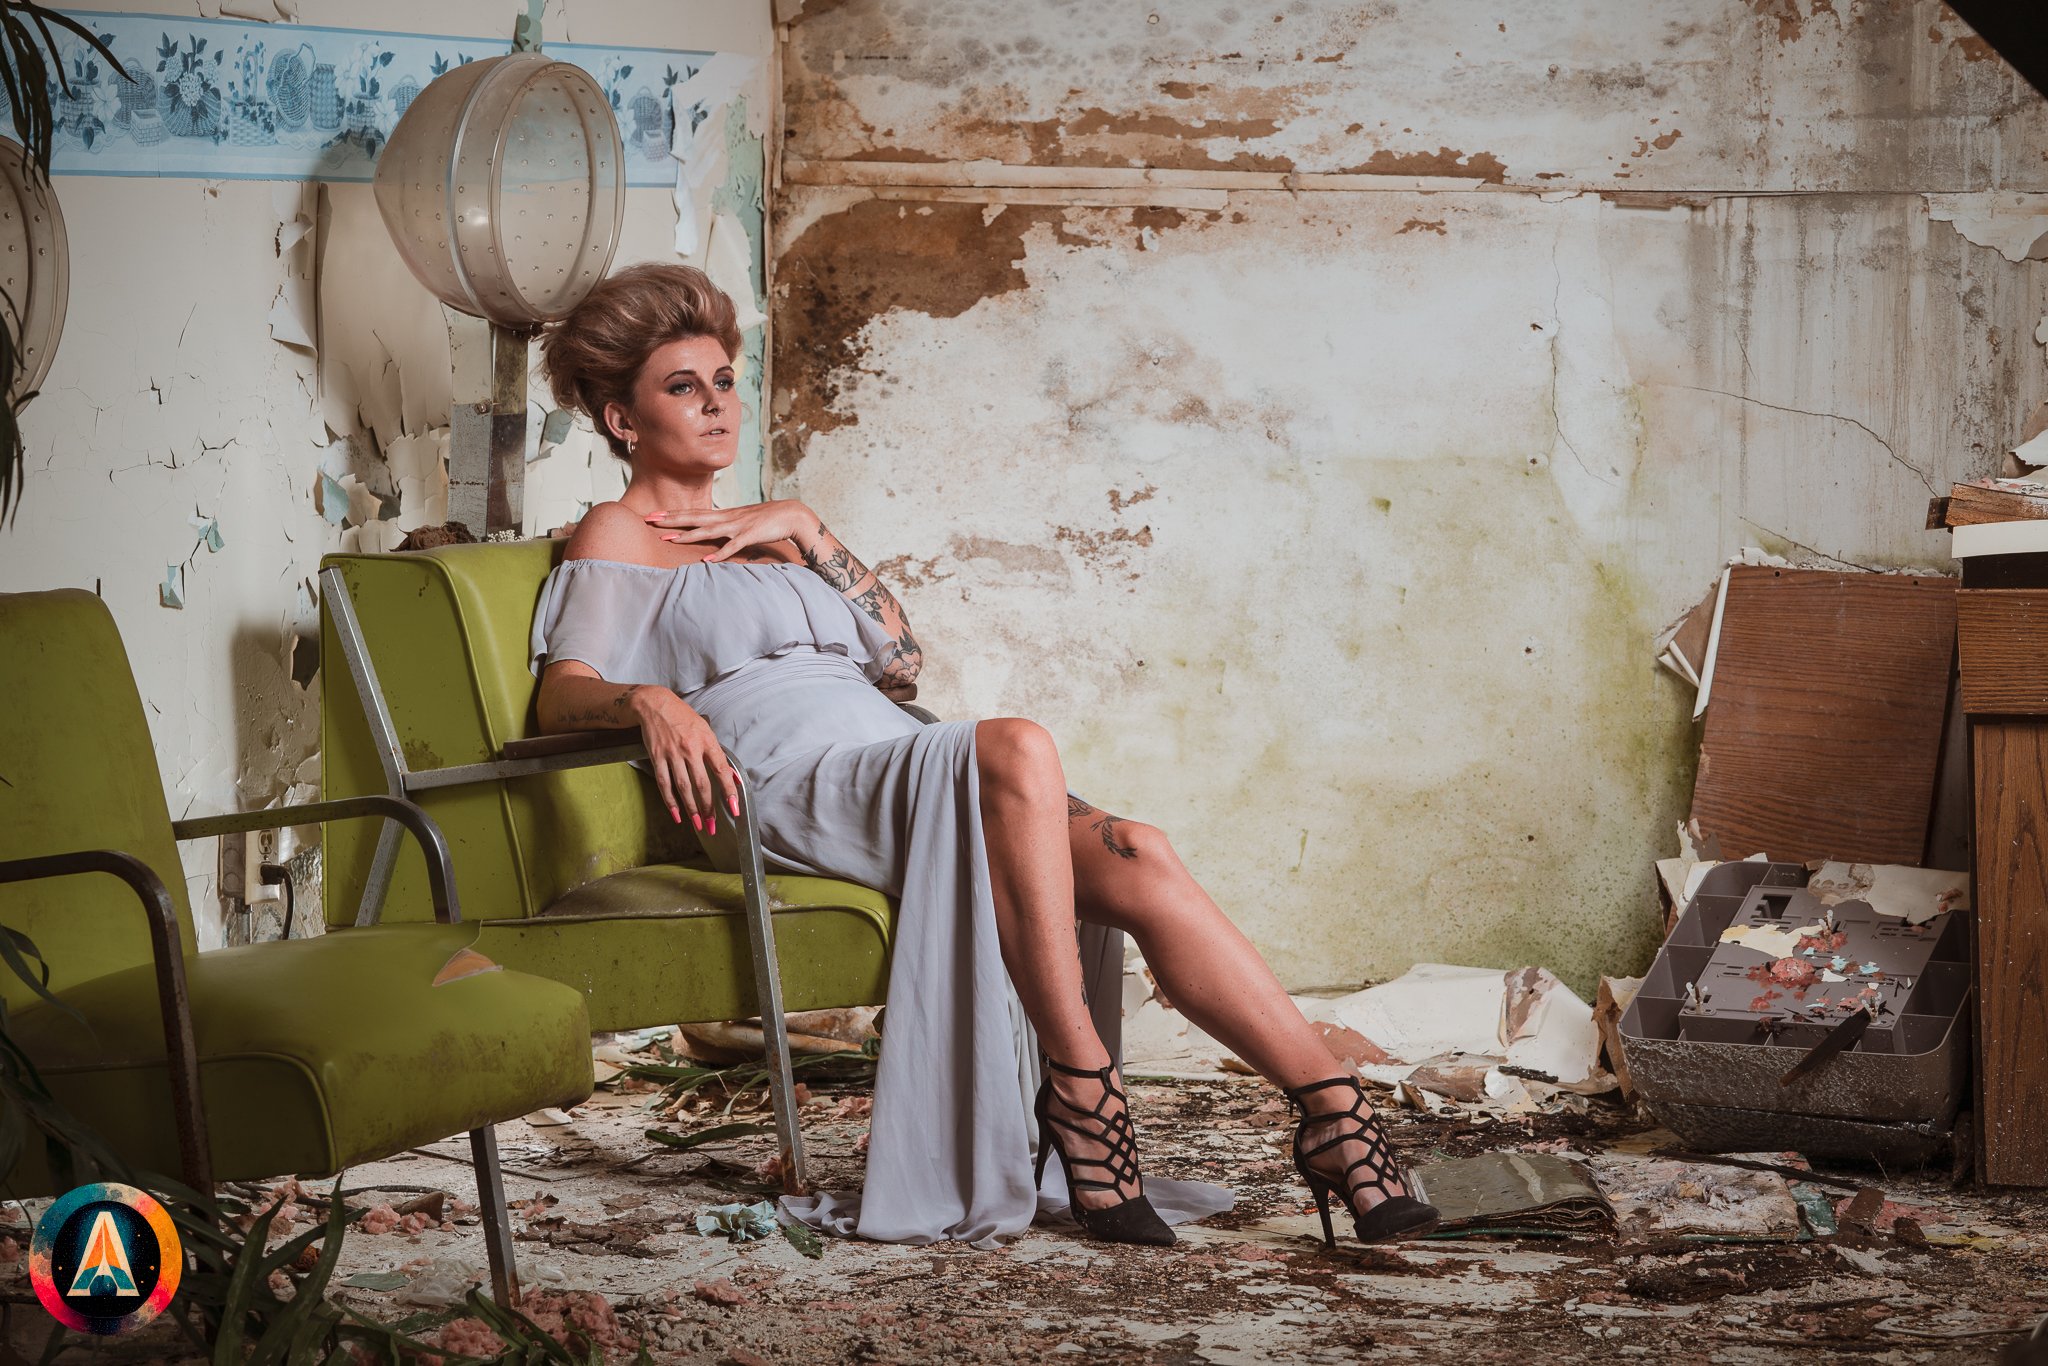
(846, 784)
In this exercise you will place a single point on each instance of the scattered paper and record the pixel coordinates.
(1916, 895)
(1432, 1009)
(1771, 940)
(1548, 1029)
(1458, 1019)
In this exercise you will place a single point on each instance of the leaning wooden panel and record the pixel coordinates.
(1824, 722)
(2002, 636)
(2012, 950)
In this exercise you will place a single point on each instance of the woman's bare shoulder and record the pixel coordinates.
(613, 531)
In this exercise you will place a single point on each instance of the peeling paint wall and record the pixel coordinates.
(170, 396)
(1311, 412)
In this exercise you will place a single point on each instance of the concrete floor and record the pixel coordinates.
(601, 1209)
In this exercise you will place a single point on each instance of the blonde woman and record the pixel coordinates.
(755, 629)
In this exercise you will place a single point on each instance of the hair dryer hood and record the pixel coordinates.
(504, 185)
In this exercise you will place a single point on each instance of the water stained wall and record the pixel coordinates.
(1310, 412)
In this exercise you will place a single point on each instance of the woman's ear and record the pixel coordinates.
(619, 422)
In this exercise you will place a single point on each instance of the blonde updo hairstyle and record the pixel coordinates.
(593, 356)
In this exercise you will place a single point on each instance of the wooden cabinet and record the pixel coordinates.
(2003, 643)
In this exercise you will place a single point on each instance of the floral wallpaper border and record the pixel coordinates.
(217, 98)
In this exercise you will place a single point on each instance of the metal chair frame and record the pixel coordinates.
(549, 754)
(175, 1003)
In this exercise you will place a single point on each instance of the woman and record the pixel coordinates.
(755, 629)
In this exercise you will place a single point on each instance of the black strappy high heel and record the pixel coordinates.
(1396, 1216)
(1131, 1220)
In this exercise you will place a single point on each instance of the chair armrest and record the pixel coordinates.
(173, 1000)
(568, 742)
(923, 716)
(440, 868)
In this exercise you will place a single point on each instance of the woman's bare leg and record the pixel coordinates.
(1128, 876)
(1031, 872)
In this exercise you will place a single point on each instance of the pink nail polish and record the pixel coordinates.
(712, 829)
(732, 804)
(696, 820)
(675, 815)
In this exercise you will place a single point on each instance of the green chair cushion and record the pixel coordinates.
(314, 1053)
(668, 943)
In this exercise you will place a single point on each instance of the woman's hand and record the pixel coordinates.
(686, 758)
(781, 519)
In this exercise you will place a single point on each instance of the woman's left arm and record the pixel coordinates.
(826, 556)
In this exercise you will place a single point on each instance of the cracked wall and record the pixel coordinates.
(1311, 412)
(186, 387)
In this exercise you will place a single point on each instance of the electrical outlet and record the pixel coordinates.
(234, 865)
(260, 847)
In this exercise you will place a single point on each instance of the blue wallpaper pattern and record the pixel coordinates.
(219, 98)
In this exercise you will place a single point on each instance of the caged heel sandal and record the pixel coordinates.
(1396, 1216)
(1131, 1220)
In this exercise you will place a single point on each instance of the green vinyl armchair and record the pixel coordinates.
(573, 867)
(304, 1056)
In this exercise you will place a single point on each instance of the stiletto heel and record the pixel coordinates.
(1395, 1216)
(1322, 1195)
(1130, 1220)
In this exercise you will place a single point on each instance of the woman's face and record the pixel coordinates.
(685, 414)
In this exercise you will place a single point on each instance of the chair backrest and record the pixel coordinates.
(447, 630)
(77, 771)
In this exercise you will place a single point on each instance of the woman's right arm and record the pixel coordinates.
(681, 748)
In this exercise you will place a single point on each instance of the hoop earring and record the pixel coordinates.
(630, 443)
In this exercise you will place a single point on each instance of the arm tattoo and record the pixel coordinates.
(839, 568)
(845, 573)
(1076, 808)
(903, 664)
(601, 718)
(871, 601)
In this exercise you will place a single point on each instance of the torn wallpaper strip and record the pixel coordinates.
(228, 98)
(697, 126)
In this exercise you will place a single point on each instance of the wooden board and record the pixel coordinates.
(2011, 763)
(2002, 638)
(1823, 727)
(1973, 504)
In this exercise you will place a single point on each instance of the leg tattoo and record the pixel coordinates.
(1107, 825)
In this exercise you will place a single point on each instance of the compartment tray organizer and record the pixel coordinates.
(1707, 1063)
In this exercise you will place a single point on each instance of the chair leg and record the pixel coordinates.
(768, 997)
(788, 1123)
(490, 1195)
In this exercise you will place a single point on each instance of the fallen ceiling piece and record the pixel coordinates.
(1824, 724)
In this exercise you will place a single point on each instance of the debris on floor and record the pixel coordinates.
(1706, 1261)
